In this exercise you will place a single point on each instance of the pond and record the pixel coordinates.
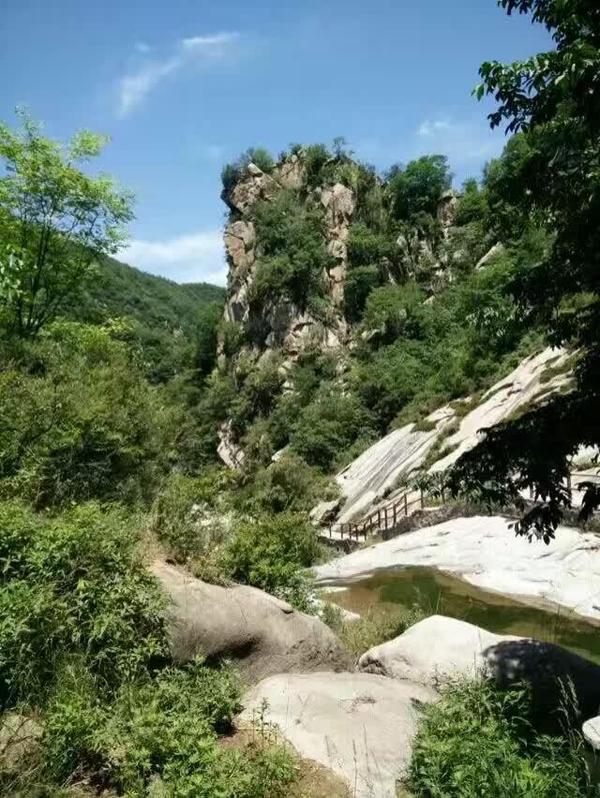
(438, 593)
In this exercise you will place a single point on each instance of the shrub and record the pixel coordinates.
(293, 251)
(234, 172)
(328, 426)
(271, 553)
(376, 626)
(73, 584)
(477, 741)
(78, 421)
(288, 485)
(185, 517)
(167, 729)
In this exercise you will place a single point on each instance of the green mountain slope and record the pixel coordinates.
(157, 303)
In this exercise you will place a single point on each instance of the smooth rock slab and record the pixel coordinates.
(485, 552)
(591, 732)
(262, 634)
(358, 725)
(433, 652)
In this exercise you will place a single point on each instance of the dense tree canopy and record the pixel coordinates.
(553, 99)
(54, 222)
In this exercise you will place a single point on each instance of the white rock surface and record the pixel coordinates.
(358, 725)
(378, 469)
(591, 732)
(520, 387)
(439, 650)
(485, 552)
(434, 651)
(391, 461)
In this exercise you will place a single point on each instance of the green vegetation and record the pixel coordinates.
(550, 173)
(115, 388)
(478, 740)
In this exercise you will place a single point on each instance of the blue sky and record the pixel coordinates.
(184, 86)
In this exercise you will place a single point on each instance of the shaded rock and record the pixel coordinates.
(439, 650)
(447, 210)
(358, 725)
(261, 633)
(255, 186)
(228, 450)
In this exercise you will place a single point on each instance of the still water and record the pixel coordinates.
(446, 595)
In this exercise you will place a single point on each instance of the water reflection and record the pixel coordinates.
(446, 595)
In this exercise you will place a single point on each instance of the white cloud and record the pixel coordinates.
(464, 142)
(134, 86)
(195, 257)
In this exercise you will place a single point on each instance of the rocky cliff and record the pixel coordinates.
(288, 245)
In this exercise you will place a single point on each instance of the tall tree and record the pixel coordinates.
(552, 100)
(55, 220)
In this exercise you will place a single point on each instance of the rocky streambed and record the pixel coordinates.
(484, 552)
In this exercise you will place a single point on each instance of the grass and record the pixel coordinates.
(376, 626)
(479, 741)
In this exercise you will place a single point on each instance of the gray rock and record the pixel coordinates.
(439, 649)
(358, 725)
(19, 739)
(591, 732)
(262, 634)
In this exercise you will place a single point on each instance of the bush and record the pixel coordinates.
(271, 553)
(288, 485)
(477, 741)
(328, 426)
(185, 516)
(234, 172)
(78, 421)
(73, 584)
(375, 627)
(166, 729)
(293, 252)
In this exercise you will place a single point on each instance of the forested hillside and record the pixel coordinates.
(151, 429)
(117, 290)
(359, 301)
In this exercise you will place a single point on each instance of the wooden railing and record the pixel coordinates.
(387, 517)
(381, 520)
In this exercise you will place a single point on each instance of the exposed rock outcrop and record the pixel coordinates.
(485, 552)
(369, 480)
(357, 724)
(262, 634)
(438, 650)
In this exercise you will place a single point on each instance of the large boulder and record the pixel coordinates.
(439, 649)
(261, 633)
(358, 725)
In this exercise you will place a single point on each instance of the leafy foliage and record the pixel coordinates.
(73, 584)
(554, 175)
(478, 738)
(54, 220)
(270, 553)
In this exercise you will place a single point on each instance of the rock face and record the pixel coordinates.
(357, 724)
(261, 633)
(368, 480)
(439, 650)
(485, 552)
(20, 739)
(433, 652)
